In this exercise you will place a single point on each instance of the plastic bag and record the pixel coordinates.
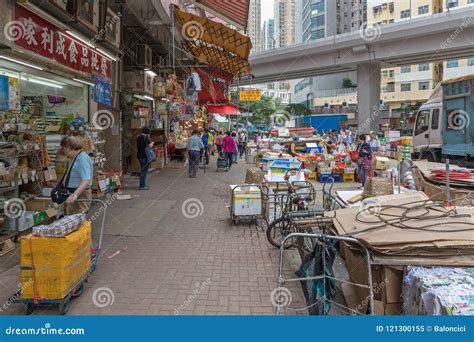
(186, 163)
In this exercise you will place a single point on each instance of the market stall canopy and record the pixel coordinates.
(235, 12)
(212, 87)
(228, 109)
(215, 44)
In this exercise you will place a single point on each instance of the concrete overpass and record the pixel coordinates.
(420, 40)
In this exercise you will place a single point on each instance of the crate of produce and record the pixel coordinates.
(325, 170)
(278, 168)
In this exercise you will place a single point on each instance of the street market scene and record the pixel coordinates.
(237, 157)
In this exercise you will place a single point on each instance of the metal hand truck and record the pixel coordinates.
(321, 283)
(76, 290)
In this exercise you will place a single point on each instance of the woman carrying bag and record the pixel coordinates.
(78, 178)
(145, 156)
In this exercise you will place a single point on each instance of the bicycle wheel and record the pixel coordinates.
(278, 230)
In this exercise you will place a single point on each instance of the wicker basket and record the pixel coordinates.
(377, 186)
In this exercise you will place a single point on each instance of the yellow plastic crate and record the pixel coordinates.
(59, 263)
(348, 177)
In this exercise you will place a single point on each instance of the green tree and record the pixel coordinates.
(347, 83)
(262, 110)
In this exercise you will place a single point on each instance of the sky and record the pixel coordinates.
(267, 10)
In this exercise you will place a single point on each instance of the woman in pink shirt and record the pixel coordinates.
(229, 147)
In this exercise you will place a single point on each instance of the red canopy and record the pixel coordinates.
(228, 109)
(234, 12)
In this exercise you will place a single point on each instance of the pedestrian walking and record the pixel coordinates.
(79, 182)
(194, 147)
(229, 147)
(236, 141)
(218, 141)
(365, 158)
(211, 142)
(242, 143)
(205, 141)
(374, 141)
(143, 141)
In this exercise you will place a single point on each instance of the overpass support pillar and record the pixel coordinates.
(368, 96)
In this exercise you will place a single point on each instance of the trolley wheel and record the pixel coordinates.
(29, 307)
(64, 306)
(278, 230)
(77, 292)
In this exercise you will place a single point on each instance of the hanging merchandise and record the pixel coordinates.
(190, 86)
(197, 81)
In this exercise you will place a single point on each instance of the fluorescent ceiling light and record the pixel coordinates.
(84, 40)
(20, 62)
(107, 54)
(144, 97)
(32, 80)
(85, 82)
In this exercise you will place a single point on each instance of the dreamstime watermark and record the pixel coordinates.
(12, 300)
(370, 208)
(102, 297)
(14, 30)
(376, 289)
(191, 298)
(466, 22)
(281, 297)
(376, 112)
(111, 199)
(109, 22)
(47, 329)
(192, 208)
(370, 33)
(458, 120)
(192, 31)
(103, 119)
(14, 208)
(280, 117)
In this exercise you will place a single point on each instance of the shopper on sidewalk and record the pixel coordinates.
(218, 141)
(194, 148)
(80, 176)
(229, 147)
(205, 141)
(236, 151)
(143, 141)
(365, 158)
(242, 143)
(211, 142)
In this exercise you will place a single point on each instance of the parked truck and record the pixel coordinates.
(444, 124)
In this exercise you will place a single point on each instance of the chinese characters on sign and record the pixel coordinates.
(250, 95)
(47, 40)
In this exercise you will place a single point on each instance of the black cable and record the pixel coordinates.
(398, 221)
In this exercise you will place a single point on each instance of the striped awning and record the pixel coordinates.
(234, 12)
(214, 44)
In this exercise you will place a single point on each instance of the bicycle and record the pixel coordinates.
(301, 194)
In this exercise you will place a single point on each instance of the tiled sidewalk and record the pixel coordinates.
(173, 250)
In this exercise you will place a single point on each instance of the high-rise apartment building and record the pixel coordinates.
(254, 25)
(268, 35)
(285, 22)
(413, 84)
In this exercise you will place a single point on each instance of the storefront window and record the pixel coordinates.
(43, 95)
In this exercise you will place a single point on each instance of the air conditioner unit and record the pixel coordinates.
(112, 27)
(144, 56)
(86, 12)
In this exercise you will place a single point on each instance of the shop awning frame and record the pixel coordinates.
(235, 12)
